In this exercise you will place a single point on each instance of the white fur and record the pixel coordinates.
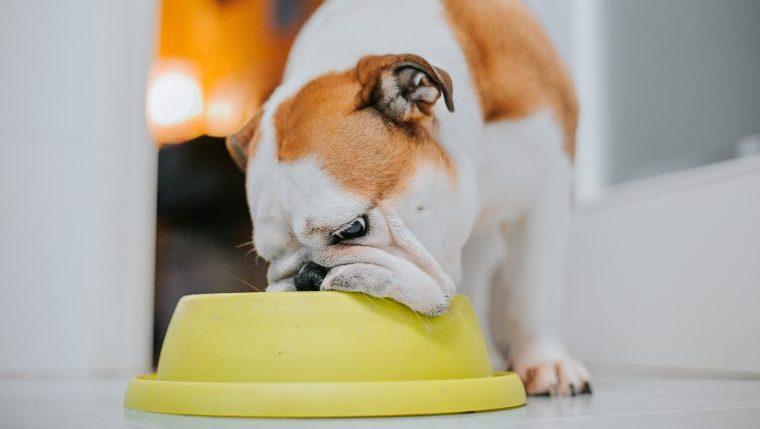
(510, 198)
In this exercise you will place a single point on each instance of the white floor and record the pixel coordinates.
(617, 402)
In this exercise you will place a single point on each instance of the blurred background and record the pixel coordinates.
(117, 195)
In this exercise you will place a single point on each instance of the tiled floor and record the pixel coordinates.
(618, 402)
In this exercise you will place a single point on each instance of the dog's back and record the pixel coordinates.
(515, 68)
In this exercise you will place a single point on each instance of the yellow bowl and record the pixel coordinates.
(320, 354)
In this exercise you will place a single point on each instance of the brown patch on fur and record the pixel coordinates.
(356, 145)
(515, 68)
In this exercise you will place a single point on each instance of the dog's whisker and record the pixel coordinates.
(247, 283)
(247, 243)
(422, 318)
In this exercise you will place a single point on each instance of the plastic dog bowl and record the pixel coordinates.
(320, 354)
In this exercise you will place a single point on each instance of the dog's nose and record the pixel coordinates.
(310, 277)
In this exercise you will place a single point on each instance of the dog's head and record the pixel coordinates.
(349, 188)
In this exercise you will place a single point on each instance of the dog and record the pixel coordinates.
(362, 176)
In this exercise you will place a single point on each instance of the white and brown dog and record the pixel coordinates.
(359, 179)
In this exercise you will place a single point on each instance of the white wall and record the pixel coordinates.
(663, 85)
(558, 18)
(682, 83)
(666, 272)
(77, 187)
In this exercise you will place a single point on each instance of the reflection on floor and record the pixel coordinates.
(618, 402)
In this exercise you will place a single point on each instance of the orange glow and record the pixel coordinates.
(232, 55)
(230, 103)
(219, 117)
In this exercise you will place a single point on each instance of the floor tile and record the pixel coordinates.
(617, 402)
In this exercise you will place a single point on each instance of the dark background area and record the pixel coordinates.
(203, 229)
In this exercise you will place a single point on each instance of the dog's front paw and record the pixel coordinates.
(546, 369)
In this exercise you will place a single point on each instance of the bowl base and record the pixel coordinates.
(345, 399)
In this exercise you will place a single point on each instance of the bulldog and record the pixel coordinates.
(363, 177)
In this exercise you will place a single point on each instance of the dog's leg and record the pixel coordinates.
(531, 307)
(481, 257)
(532, 281)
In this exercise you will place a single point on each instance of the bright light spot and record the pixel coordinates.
(219, 114)
(173, 98)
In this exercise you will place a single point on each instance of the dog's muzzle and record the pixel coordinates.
(310, 276)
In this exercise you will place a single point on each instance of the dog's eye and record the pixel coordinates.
(355, 229)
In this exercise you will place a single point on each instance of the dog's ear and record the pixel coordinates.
(239, 144)
(403, 87)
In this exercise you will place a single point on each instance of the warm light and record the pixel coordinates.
(230, 102)
(220, 118)
(174, 101)
(173, 98)
(215, 62)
